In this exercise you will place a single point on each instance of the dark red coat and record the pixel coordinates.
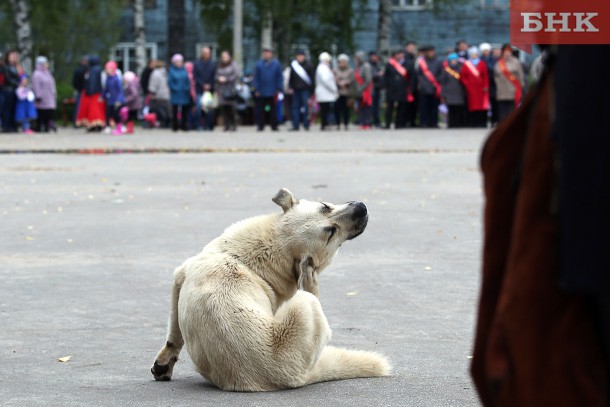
(476, 82)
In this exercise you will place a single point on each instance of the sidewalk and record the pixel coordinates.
(89, 243)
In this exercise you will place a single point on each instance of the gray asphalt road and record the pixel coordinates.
(89, 243)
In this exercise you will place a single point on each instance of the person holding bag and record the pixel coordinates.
(227, 74)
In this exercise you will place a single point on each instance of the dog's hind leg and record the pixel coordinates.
(167, 357)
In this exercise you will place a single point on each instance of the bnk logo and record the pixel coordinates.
(559, 22)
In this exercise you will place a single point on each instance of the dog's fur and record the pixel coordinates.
(247, 307)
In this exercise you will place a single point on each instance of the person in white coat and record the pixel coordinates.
(326, 88)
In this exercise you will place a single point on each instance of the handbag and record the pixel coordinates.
(229, 93)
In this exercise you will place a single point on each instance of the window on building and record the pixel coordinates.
(124, 53)
(495, 4)
(411, 4)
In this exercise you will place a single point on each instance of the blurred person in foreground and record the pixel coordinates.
(543, 328)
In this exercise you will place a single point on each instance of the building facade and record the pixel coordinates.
(476, 21)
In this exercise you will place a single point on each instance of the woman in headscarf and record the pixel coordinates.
(227, 74)
(344, 75)
(133, 101)
(326, 88)
(180, 90)
(475, 78)
(92, 109)
(45, 92)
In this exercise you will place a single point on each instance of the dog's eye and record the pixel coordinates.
(331, 230)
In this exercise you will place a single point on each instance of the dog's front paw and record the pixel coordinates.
(163, 367)
(310, 281)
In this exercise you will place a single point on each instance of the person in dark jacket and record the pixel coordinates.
(267, 83)
(78, 83)
(204, 74)
(378, 86)
(429, 69)
(12, 74)
(145, 76)
(452, 92)
(410, 57)
(396, 79)
(300, 85)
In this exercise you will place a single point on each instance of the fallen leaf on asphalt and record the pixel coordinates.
(64, 359)
(352, 293)
(29, 238)
(427, 268)
(469, 357)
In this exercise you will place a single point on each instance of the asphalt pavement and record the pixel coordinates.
(93, 226)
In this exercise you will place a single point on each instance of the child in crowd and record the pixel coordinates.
(133, 102)
(115, 98)
(25, 110)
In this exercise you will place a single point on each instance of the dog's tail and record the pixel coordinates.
(338, 364)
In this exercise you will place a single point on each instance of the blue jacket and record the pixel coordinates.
(268, 77)
(204, 73)
(179, 86)
(93, 81)
(114, 90)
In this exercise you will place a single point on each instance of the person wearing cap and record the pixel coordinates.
(180, 92)
(510, 81)
(475, 78)
(301, 85)
(326, 88)
(45, 92)
(204, 74)
(429, 69)
(396, 79)
(364, 89)
(268, 84)
(452, 92)
(344, 75)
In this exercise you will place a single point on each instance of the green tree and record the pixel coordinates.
(318, 24)
(64, 30)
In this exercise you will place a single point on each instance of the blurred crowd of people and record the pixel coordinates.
(469, 86)
(27, 102)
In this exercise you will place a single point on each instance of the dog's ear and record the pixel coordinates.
(285, 199)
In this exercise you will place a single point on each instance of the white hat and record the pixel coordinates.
(343, 57)
(473, 51)
(41, 60)
(485, 46)
(325, 57)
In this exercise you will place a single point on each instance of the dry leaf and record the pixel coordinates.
(427, 268)
(29, 238)
(351, 293)
(64, 359)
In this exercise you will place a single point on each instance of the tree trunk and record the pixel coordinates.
(21, 14)
(175, 27)
(238, 22)
(139, 35)
(384, 27)
(267, 30)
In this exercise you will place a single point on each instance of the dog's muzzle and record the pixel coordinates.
(359, 217)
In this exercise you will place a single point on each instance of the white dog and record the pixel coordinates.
(247, 307)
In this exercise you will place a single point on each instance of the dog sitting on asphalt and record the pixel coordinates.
(247, 306)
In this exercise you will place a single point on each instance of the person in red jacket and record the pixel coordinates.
(475, 77)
